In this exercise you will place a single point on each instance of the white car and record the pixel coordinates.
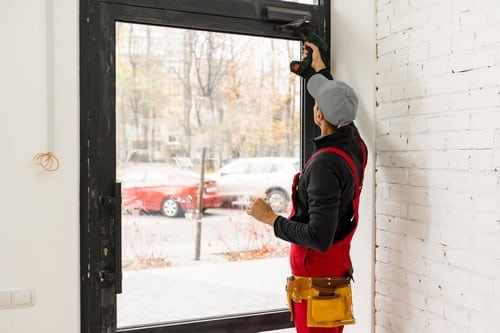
(243, 178)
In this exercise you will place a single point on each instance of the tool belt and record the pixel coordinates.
(329, 299)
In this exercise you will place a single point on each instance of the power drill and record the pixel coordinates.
(303, 68)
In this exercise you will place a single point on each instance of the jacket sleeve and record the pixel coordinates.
(323, 191)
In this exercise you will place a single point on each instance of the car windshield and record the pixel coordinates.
(234, 169)
(188, 174)
(133, 176)
(156, 176)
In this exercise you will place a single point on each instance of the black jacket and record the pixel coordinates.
(324, 213)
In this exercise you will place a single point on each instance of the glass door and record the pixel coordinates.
(188, 109)
(197, 107)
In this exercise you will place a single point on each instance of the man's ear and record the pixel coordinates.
(320, 115)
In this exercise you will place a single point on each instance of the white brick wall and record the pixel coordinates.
(438, 166)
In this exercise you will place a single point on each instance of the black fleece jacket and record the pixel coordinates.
(324, 213)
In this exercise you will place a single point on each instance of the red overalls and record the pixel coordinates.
(334, 262)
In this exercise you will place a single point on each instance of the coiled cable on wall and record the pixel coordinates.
(48, 161)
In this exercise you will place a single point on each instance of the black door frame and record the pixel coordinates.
(99, 196)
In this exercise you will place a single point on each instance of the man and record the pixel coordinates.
(325, 203)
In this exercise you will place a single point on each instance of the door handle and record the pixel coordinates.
(118, 238)
(107, 276)
(115, 246)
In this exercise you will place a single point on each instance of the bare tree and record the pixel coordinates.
(210, 67)
(290, 110)
(134, 95)
(185, 77)
(229, 93)
(140, 81)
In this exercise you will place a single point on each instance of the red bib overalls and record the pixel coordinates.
(334, 262)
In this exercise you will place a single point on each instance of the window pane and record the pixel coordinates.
(192, 105)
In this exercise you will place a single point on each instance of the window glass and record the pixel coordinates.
(257, 168)
(154, 176)
(307, 2)
(236, 168)
(192, 106)
(133, 176)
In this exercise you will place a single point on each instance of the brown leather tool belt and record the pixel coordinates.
(300, 288)
(329, 299)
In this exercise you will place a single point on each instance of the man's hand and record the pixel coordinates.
(317, 62)
(261, 211)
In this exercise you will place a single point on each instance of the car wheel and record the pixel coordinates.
(278, 200)
(171, 208)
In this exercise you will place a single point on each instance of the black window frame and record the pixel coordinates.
(99, 195)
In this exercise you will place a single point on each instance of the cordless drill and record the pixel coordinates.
(303, 68)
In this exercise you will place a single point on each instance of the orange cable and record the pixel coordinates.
(48, 161)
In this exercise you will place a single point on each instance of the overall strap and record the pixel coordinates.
(349, 161)
(342, 247)
(364, 154)
(358, 179)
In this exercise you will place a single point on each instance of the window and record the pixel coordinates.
(236, 99)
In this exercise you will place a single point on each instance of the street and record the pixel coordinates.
(154, 238)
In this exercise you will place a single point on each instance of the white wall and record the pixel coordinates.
(438, 162)
(353, 53)
(39, 228)
(354, 61)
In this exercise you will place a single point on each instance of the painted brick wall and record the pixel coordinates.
(438, 166)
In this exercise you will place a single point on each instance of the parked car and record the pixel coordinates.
(243, 178)
(167, 189)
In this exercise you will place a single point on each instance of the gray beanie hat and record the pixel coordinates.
(336, 100)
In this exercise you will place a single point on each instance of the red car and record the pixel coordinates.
(167, 189)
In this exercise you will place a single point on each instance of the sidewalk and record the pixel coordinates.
(203, 288)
